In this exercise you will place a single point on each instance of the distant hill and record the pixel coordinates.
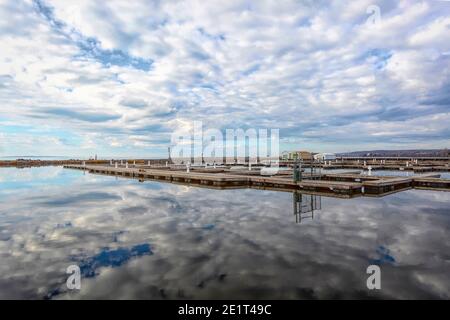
(398, 153)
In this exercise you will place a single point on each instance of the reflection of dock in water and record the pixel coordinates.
(305, 205)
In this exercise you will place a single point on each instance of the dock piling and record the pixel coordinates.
(297, 172)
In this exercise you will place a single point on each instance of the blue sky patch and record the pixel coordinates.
(112, 258)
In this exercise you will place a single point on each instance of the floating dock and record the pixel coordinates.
(344, 185)
(418, 165)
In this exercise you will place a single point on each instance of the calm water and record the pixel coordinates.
(154, 240)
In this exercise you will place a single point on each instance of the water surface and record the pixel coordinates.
(163, 241)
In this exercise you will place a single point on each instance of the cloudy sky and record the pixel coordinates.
(117, 78)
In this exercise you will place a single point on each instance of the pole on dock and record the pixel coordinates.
(297, 172)
(300, 171)
(249, 166)
(370, 170)
(188, 167)
(126, 164)
(116, 164)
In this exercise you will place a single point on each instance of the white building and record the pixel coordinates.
(325, 157)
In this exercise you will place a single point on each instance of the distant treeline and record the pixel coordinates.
(41, 163)
(398, 153)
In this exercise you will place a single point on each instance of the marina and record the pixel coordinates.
(243, 152)
(349, 184)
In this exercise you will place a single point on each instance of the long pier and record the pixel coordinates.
(405, 164)
(344, 185)
(417, 165)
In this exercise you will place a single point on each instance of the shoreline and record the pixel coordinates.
(24, 163)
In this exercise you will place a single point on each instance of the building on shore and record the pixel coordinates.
(325, 157)
(296, 155)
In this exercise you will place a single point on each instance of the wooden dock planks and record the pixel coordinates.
(347, 184)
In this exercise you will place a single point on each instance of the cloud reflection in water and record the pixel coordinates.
(172, 241)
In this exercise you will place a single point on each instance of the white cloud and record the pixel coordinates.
(132, 71)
